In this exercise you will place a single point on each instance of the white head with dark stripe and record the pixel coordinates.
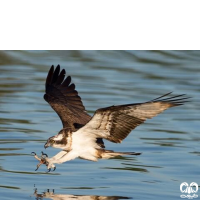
(62, 140)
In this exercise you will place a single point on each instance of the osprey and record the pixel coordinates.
(82, 135)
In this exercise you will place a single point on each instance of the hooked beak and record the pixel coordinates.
(47, 144)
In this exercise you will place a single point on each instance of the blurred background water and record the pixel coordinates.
(169, 143)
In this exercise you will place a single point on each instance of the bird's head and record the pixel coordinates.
(57, 141)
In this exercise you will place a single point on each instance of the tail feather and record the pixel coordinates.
(106, 154)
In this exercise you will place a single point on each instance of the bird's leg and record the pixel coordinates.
(58, 156)
(66, 157)
(36, 157)
(54, 159)
(38, 165)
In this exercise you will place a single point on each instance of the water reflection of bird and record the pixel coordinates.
(51, 195)
(82, 136)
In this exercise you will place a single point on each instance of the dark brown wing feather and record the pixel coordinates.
(116, 122)
(64, 99)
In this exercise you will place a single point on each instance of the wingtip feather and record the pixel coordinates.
(162, 96)
(50, 75)
(55, 74)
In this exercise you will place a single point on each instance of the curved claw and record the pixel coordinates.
(54, 168)
(49, 170)
(44, 154)
(33, 153)
(36, 169)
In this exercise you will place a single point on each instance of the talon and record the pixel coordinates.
(54, 168)
(44, 154)
(33, 153)
(49, 170)
(36, 168)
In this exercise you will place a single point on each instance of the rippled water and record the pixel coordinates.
(169, 143)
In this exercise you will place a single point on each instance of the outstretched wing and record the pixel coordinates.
(116, 122)
(64, 99)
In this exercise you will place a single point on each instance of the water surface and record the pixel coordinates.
(169, 143)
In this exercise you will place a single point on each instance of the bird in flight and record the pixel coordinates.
(82, 135)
